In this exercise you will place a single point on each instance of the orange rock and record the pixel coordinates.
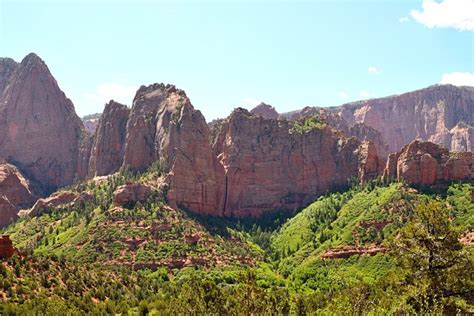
(425, 163)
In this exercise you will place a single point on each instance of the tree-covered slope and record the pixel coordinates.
(149, 234)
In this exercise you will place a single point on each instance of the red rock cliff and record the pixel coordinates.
(440, 114)
(39, 130)
(15, 192)
(425, 163)
(108, 146)
(269, 166)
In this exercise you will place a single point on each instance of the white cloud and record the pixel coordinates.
(458, 79)
(403, 19)
(373, 70)
(111, 91)
(342, 95)
(458, 14)
(364, 94)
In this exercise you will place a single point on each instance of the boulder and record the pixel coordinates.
(6, 247)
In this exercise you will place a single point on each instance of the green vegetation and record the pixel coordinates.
(369, 250)
(307, 124)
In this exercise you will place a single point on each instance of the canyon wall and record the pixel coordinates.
(440, 114)
(244, 165)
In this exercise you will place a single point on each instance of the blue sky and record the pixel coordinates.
(226, 54)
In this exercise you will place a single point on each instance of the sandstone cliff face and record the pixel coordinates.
(333, 119)
(109, 142)
(163, 127)
(267, 166)
(39, 130)
(15, 192)
(425, 163)
(440, 114)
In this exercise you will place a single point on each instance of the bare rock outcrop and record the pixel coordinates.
(109, 142)
(39, 129)
(8, 211)
(6, 247)
(131, 193)
(15, 192)
(441, 114)
(269, 166)
(90, 125)
(426, 163)
(265, 110)
(164, 127)
(57, 199)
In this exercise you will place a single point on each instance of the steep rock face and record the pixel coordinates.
(266, 111)
(430, 114)
(109, 142)
(336, 121)
(15, 193)
(267, 166)
(426, 163)
(7, 66)
(39, 130)
(84, 156)
(8, 212)
(164, 127)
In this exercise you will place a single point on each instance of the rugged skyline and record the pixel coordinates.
(312, 53)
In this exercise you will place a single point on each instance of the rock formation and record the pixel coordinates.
(164, 127)
(60, 198)
(90, 125)
(333, 119)
(244, 165)
(109, 142)
(15, 192)
(440, 114)
(129, 194)
(7, 66)
(268, 166)
(6, 247)
(8, 212)
(425, 163)
(39, 130)
(265, 110)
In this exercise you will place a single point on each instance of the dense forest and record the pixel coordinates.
(380, 248)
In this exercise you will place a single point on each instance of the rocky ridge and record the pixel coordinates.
(244, 165)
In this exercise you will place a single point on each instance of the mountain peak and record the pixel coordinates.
(265, 110)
